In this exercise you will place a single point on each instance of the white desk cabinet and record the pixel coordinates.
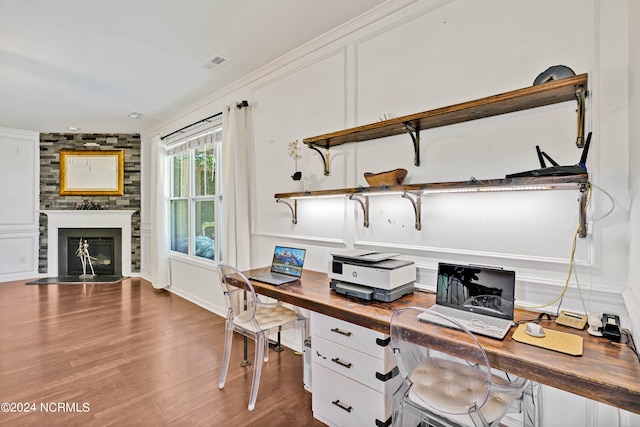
(353, 372)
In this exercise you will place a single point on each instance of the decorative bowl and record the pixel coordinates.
(393, 177)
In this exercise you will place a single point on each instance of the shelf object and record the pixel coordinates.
(553, 92)
(414, 192)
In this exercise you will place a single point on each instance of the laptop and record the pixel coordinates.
(480, 298)
(286, 266)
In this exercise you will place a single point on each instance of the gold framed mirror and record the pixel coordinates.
(91, 172)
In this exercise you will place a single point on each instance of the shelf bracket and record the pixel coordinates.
(415, 137)
(416, 201)
(582, 213)
(581, 93)
(364, 204)
(294, 209)
(325, 158)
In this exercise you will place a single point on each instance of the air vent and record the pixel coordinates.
(215, 61)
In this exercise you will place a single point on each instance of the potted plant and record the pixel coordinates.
(294, 153)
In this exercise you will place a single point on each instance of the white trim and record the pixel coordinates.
(87, 219)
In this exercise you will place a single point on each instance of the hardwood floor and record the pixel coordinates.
(128, 355)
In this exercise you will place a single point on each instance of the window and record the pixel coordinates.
(195, 198)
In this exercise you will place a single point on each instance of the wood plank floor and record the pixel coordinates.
(128, 355)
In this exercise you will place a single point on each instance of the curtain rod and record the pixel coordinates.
(239, 105)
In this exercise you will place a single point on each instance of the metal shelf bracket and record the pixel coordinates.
(324, 157)
(581, 94)
(415, 137)
(582, 213)
(364, 204)
(294, 209)
(416, 201)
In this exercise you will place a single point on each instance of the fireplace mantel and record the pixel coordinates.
(87, 219)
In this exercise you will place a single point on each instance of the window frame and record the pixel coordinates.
(190, 145)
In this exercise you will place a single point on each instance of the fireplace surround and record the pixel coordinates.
(86, 220)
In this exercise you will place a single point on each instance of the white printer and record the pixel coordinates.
(371, 275)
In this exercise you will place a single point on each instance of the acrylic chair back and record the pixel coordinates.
(239, 295)
(447, 378)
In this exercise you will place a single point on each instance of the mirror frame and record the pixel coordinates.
(73, 188)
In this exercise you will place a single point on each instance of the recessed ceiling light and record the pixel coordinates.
(135, 115)
(73, 128)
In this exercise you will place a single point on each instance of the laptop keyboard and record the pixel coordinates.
(479, 324)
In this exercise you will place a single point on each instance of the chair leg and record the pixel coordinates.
(257, 370)
(265, 357)
(245, 361)
(278, 346)
(228, 339)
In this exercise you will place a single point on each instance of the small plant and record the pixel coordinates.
(294, 152)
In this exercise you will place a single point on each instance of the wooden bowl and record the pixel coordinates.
(394, 177)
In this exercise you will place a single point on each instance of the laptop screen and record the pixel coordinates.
(481, 290)
(288, 261)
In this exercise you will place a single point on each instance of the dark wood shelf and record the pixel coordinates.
(549, 93)
(571, 182)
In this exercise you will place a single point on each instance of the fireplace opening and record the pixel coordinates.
(100, 251)
(104, 246)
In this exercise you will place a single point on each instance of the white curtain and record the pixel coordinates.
(236, 133)
(160, 273)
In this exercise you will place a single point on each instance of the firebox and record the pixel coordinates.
(104, 246)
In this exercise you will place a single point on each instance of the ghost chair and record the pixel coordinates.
(447, 377)
(252, 318)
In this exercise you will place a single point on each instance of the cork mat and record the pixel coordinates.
(553, 340)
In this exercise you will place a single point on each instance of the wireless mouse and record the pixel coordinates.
(534, 330)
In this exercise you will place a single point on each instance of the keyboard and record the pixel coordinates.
(477, 323)
(273, 278)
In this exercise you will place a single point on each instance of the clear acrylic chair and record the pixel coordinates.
(253, 318)
(447, 381)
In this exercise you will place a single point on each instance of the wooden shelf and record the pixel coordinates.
(414, 192)
(571, 182)
(556, 91)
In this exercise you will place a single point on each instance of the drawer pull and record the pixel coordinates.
(338, 331)
(383, 424)
(386, 377)
(342, 405)
(383, 343)
(341, 363)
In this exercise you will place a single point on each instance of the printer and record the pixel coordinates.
(371, 275)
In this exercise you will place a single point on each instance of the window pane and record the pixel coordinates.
(180, 170)
(205, 228)
(205, 170)
(179, 226)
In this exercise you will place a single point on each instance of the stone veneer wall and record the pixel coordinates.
(50, 198)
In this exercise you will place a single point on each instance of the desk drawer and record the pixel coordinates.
(378, 374)
(339, 401)
(349, 335)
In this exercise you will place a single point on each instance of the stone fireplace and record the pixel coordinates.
(108, 233)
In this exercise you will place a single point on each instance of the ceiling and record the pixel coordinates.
(90, 63)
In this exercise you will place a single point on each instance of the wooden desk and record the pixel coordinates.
(607, 372)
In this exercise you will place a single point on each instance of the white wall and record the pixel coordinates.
(412, 56)
(427, 55)
(19, 206)
(632, 294)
